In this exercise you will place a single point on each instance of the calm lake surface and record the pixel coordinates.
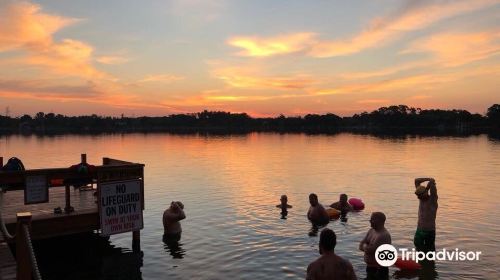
(231, 184)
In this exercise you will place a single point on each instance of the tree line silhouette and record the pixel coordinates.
(384, 119)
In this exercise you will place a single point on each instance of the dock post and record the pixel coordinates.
(24, 268)
(136, 241)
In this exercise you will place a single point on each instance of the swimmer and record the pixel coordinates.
(342, 205)
(425, 235)
(317, 213)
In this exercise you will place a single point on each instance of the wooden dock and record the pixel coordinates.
(32, 196)
(45, 223)
(8, 265)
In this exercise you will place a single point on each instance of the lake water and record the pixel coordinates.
(231, 184)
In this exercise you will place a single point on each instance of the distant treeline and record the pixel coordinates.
(400, 118)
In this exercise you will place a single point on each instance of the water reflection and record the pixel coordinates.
(172, 246)
(284, 213)
(86, 256)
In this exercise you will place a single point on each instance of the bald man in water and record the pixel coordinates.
(329, 265)
(375, 237)
(425, 234)
(317, 213)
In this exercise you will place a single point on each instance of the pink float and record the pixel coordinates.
(356, 203)
(407, 264)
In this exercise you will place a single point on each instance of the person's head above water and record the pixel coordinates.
(343, 198)
(377, 220)
(327, 240)
(313, 199)
(284, 199)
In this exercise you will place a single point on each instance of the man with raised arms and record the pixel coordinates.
(171, 217)
(425, 234)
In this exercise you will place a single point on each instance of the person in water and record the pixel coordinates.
(317, 213)
(375, 237)
(425, 234)
(171, 226)
(329, 265)
(284, 204)
(342, 205)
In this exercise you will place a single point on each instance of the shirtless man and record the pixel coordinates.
(425, 234)
(375, 237)
(317, 213)
(329, 266)
(342, 205)
(171, 217)
(284, 206)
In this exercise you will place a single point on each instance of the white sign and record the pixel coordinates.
(36, 190)
(120, 207)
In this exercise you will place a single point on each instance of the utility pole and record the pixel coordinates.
(7, 111)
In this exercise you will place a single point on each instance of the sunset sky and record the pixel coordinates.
(261, 57)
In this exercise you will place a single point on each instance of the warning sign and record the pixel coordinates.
(36, 190)
(120, 206)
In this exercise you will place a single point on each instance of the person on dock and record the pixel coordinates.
(342, 205)
(171, 221)
(329, 265)
(425, 234)
(375, 237)
(317, 213)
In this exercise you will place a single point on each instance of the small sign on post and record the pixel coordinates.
(36, 189)
(120, 206)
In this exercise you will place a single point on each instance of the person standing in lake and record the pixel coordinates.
(425, 234)
(284, 206)
(342, 205)
(375, 237)
(329, 265)
(171, 221)
(317, 213)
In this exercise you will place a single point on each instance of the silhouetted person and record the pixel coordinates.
(171, 226)
(329, 265)
(375, 237)
(342, 205)
(425, 234)
(317, 213)
(284, 203)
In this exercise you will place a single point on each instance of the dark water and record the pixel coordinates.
(230, 185)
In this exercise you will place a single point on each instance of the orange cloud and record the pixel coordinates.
(112, 59)
(384, 30)
(373, 101)
(252, 77)
(455, 49)
(24, 27)
(165, 78)
(262, 47)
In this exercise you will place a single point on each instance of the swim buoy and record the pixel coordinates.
(407, 264)
(356, 203)
(333, 213)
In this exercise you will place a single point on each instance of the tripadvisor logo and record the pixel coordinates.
(387, 255)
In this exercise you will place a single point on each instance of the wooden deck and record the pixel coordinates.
(7, 264)
(47, 224)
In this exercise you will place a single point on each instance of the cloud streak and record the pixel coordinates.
(382, 31)
(280, 45)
